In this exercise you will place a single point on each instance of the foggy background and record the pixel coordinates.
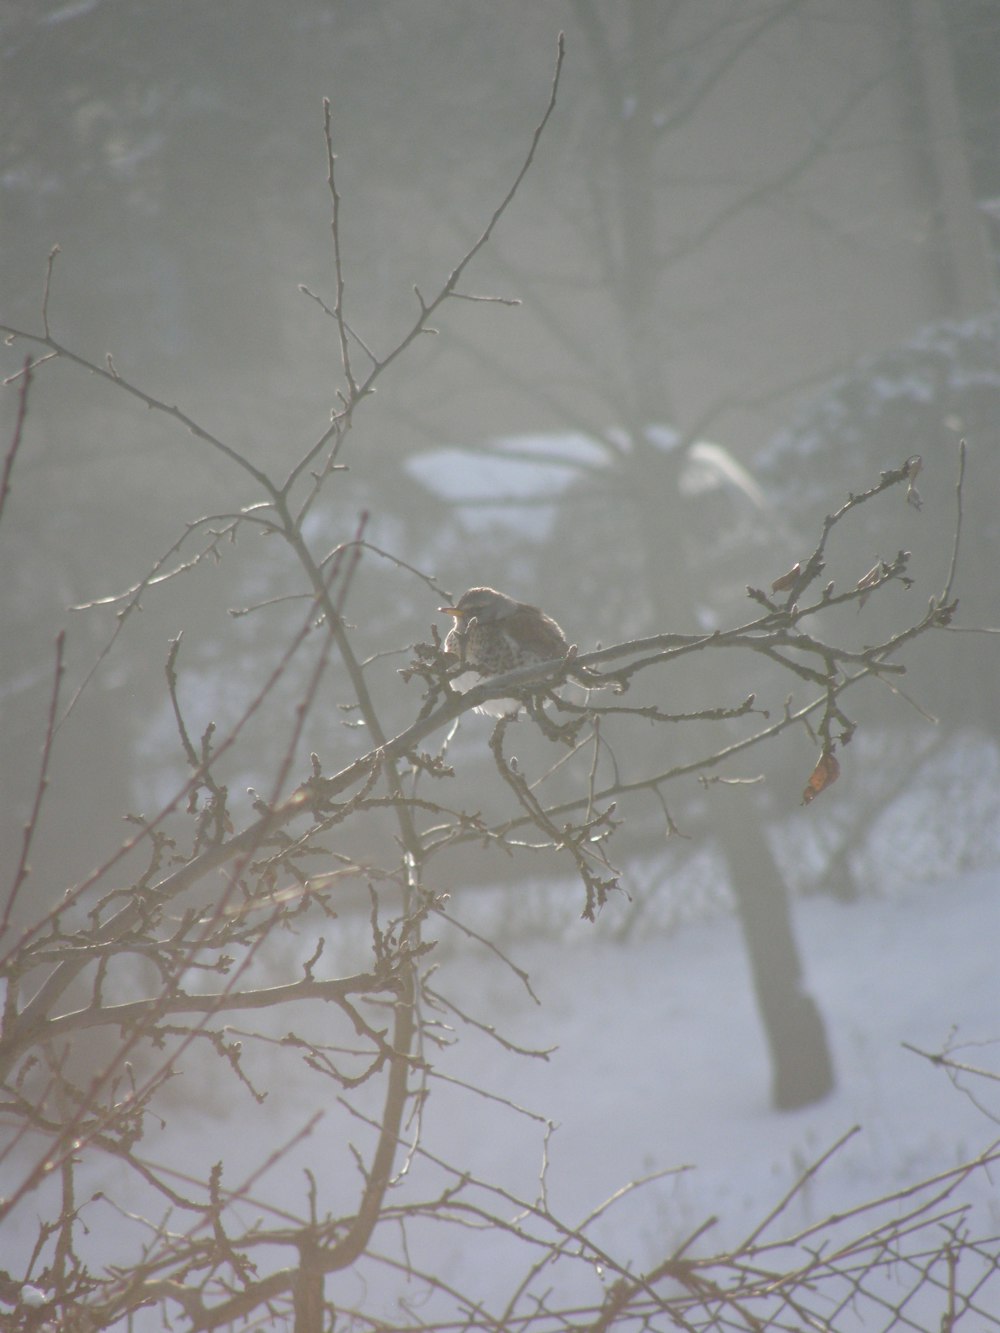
(762, 225)
(752, 266)
(735, 205)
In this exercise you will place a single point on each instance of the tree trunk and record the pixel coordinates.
(801, 1064)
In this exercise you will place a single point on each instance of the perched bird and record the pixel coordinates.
(493, 634)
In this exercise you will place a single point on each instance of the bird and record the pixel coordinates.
(492, 634)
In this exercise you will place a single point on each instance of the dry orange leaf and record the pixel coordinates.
(826, 772)
(787, 580)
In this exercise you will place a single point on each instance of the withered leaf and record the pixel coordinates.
(787, 580)
(826, 772)
(913, 466)
(867, 582)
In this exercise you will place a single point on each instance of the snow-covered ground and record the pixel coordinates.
(656, 1061)
(661, 1063)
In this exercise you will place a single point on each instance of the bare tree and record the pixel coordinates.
(143, 970)
(628, 324)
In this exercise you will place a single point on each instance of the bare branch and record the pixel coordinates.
(15, 441)
(31, 828)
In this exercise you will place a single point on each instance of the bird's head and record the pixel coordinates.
(481, 604)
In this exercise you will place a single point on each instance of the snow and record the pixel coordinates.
(493, 484)
(483, 483)
(661, 1062)
(657, 1063)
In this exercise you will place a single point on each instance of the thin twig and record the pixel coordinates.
(447, 289)
(338, 305)
(31, 828)
(953, 567)
(15, 443)
(47, 290)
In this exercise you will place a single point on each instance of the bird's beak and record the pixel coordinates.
(450, 611)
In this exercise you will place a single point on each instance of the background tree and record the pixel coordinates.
(116, 992)
(335, 575)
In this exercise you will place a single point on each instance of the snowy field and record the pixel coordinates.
(661, 1063)
(656, 1062)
